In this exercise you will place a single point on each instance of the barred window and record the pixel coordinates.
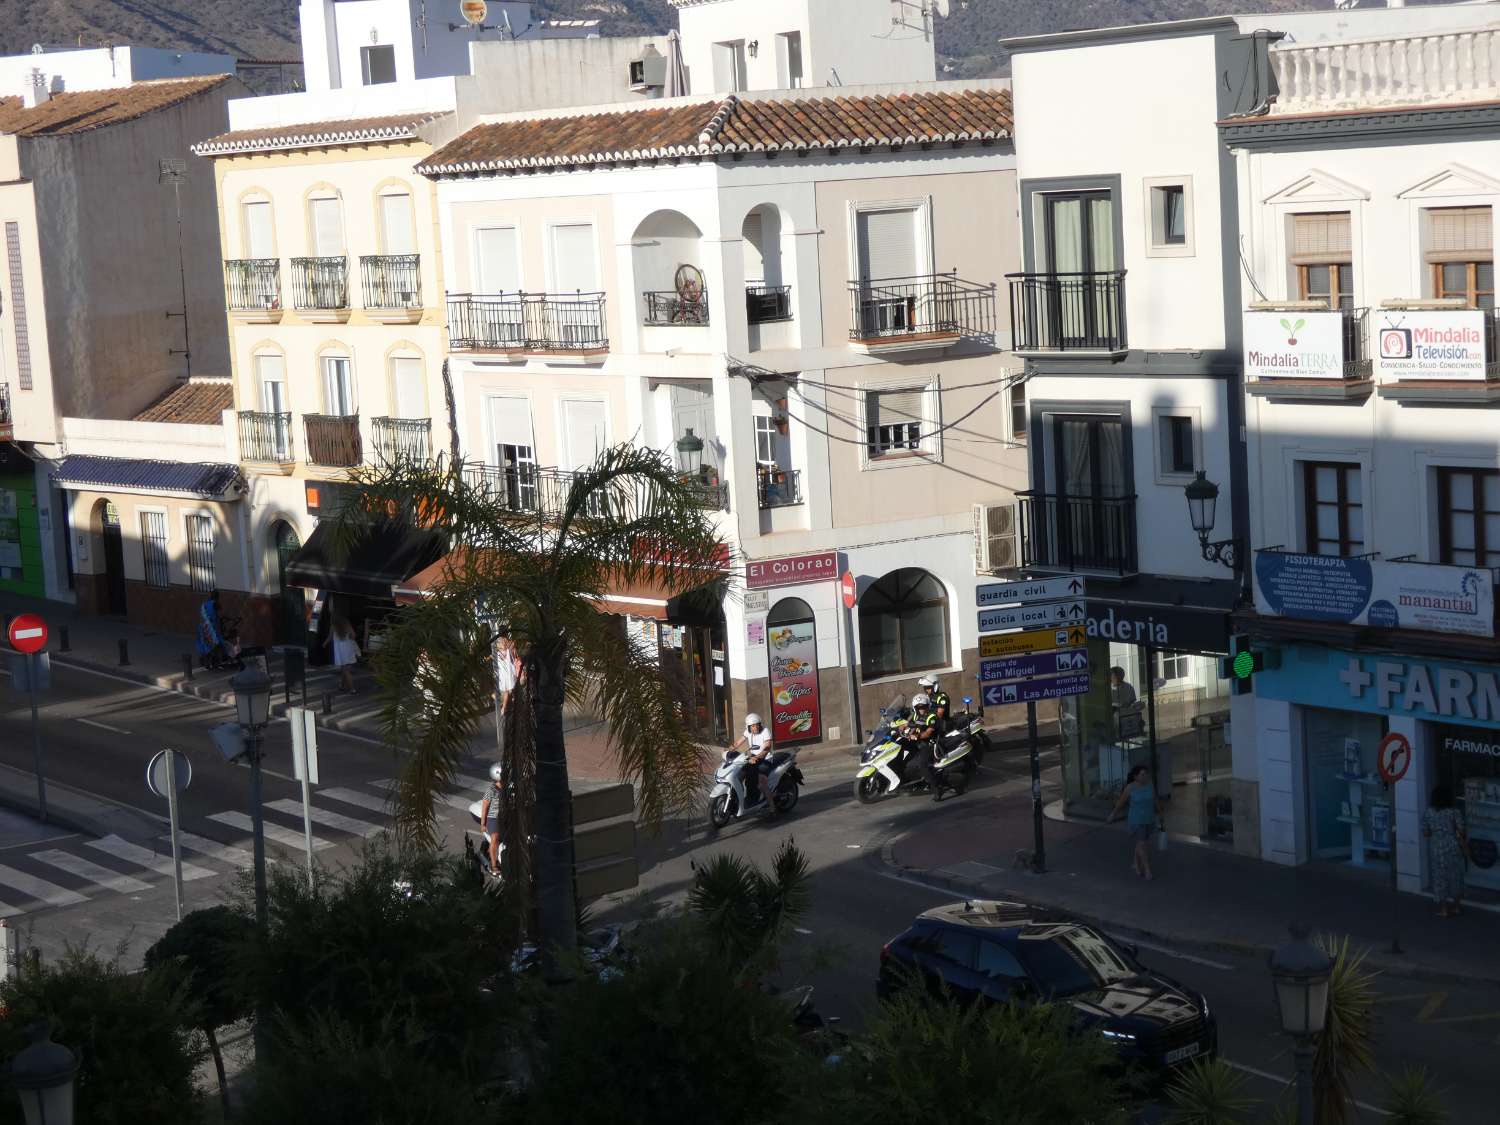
(200, 551)
(154, 547)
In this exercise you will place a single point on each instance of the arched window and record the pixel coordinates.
(903, 624)
(788, 610)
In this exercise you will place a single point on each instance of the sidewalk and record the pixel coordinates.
(1201, 895)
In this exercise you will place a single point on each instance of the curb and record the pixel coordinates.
(1381, 960)
(59, 815)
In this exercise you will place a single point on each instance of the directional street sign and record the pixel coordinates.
(1031, 616)
(1024, 593)
(1029, 691)
(1031, 640)
(1032, 666)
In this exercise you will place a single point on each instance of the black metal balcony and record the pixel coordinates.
(253, 283)
(535, 322)
(779, 488)
(320, 283)
(332, 440)
(675, 309)
(1078, 532)
(392, 281)
(1357, 361)
(526, 488)
(767, 304)
(1055, 312)
(939, 307)
(265, 436)
(403, 439)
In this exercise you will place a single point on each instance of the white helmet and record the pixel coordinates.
(496, 772)
(928, 683)
(753, 720)
(921, 699)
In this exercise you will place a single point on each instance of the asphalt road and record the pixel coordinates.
(100, 732)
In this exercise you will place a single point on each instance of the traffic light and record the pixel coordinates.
(1243, 661)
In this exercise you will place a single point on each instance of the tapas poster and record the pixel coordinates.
(796, 714)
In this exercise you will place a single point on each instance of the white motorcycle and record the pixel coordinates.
(729, 798)
(886, 766)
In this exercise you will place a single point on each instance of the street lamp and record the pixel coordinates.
(1301, 971)
(690, 452)
(1202, 498)
(43, 1077)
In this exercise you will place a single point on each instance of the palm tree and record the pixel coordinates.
(537, 551)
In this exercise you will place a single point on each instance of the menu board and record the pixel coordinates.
(796, 714)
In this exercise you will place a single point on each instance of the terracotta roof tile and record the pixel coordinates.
(78, 111)
(735, 124)
(317, 134)
(195, 403)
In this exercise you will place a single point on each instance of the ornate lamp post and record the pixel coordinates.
(1301, 971)
(1202, 499)
(42, 1074)
(690, 453)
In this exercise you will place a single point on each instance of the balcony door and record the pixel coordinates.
(575, 266)
(693, 409)
(270, 373)
(887, 247)
(338, 386)
(513, 457)
(1089, 520)
(327, 216)
(260, 234)
(1078, 234)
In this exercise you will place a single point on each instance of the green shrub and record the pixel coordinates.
(1411, 1100)
(1347, 1044)
(1209, 1092)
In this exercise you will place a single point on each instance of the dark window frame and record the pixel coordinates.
(1338, 297)
(1341, 503)
(1485, 553)
(1471, 292)
(898, 606)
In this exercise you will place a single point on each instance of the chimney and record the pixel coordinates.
(34, 90)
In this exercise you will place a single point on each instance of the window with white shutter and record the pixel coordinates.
(512, 457)
(408, 395)
(497, 261)
(897, 422)
(574, 266)
(327, 219)
(396, 223)
(338, 386)
(887, 241)
(260, 234)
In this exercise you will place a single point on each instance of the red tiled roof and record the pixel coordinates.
(81, 110)
(317, 134)
(733, 125)
(198, 403)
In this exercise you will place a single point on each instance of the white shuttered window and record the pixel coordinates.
(887, 243)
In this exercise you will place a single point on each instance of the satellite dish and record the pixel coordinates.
(474, 11)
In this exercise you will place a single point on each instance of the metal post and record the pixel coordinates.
(1038, 847)
(499, 711)
(172, 816)
(36, 738)
(854, 715)
(307, 821)
(1150, 677)
(1390, 792)
(258, 836)
(1304, 1056)
(62, 639)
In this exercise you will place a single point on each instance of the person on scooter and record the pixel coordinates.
(489, 815)
(926, 732)
(758, 747)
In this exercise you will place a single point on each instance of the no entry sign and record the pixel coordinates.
(848, 590)
(28, 633)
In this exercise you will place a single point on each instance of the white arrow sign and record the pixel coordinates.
(1024, 593)
(1030, 616)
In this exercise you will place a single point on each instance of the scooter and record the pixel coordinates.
(728, 798)
(882, 763)
(884, 768)
(971, 724)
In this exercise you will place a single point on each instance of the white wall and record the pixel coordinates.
(530, 74)
(431, 95)
(105, 68)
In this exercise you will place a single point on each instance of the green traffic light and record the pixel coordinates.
(1244, 665)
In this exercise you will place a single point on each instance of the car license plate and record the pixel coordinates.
(1181, 1054)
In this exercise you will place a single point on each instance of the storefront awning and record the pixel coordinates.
(154, 478)
(389, 554)
(1173, 614)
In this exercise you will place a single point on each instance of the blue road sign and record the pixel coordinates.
(1030, 691)
(1031, 616)
(1032, 665)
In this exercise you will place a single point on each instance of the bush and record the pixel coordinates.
(1347, 1044)
(132, 1033)
(1208, 1092)
(1411, 1100)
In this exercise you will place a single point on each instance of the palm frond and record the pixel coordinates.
(1347, 1044)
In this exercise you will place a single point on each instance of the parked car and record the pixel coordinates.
(982, 951)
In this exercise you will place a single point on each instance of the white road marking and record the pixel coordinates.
(224, 853)
(1287, 1082)
(88, 869)
(283, 836)
(9, 911)
(103, 726)
(331, 819)
(354, 797)
(800, 930)
(40, 889)
(469, 782)
(461, 803)
(145, 857)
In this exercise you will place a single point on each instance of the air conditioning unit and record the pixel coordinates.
(997, 540)
(648, 72)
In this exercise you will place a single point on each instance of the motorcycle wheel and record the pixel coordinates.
(719, 813)
(868, 790)
(786, 795)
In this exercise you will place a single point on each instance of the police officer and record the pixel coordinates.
(926, 732)
(942, 706)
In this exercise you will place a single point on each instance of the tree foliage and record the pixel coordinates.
(132, 1034)
(744, 911)
(1347, 1045)
(1208, 1092)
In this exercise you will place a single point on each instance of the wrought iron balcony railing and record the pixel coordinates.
(392, 281)
(935, 305)
(527, 488)
(320, 283)
(779, 488)
(767, 304)
(253, 283)
(1052, 312)
(667, 308)
(332, 440)
(538, 322)
(265, 435)
(1078, 532)
(403, 439)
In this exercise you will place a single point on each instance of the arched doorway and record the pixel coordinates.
(792, 672)
(112, 546)
(291, 618)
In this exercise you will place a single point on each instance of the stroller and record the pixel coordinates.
(218, 639)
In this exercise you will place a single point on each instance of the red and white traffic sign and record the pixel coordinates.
(1394, 757)
(28, 633)
(848, 589)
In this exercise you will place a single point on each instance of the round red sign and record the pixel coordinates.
(1394, 757)
(848, 589)
(28, 633)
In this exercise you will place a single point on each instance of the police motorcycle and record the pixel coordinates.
(736, 788)
(890, 764)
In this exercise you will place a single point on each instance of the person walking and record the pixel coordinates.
(1447, 850)
(489, 814)
(1144, 812)
(345, 652)
(507, 668)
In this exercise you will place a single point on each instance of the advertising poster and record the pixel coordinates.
(1430, 345)
(1384, 595)
(755, 632)
(793, 659)
(1294, 345)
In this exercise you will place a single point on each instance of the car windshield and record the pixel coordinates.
(1065, 959)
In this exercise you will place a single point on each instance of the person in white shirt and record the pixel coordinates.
(758, 748)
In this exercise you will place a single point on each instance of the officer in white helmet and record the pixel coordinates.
(942, 706)
(758, 747)
(925, 731)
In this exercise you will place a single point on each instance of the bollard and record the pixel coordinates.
(124, 653)
(187, 666)
(328, 703)
(62, 639)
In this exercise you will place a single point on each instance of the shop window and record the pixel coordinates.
(1323, 255)
(1460, 253)
(200, 544)
(903, 624)
(1469, 517)
(1334, 511)
(378, 64)
(154, 547)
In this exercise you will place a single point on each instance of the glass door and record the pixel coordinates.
(1089, 514)
(1079, 243)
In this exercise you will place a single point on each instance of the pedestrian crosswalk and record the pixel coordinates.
(57, 873)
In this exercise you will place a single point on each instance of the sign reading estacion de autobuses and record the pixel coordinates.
(821, 567)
